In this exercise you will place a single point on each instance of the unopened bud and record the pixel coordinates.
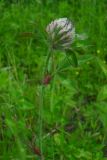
(47, 79)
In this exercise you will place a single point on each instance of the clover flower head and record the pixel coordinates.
(61, 33)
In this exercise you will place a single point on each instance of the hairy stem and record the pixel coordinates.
(42, 101)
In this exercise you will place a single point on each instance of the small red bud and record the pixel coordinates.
(37, 151)
(47, 79)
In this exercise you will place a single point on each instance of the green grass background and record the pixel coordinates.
(76, 106)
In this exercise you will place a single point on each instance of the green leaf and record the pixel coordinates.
(102, 110)
(102, 95)
(85, 58)
(72, 53)
(102, 65)
(4, 79)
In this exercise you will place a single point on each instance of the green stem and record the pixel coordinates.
(52, 96)
(47, 61)
(42, 101)
(52, 85)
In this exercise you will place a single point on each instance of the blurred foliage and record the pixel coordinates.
(76, 109)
